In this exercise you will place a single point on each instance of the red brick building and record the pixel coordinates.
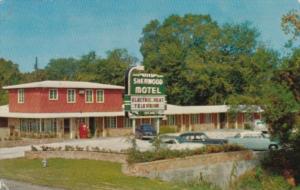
(57, 108)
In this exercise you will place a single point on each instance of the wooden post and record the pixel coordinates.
(227, 121)
(133, 125)
(40, 126)
(157, 125)
(190, 123)
(218, 120)
(103, 127)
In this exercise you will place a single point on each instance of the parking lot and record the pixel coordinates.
(108, 143)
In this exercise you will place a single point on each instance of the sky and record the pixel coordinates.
(71, 28)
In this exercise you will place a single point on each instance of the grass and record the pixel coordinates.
(259, 179)
(83, 174)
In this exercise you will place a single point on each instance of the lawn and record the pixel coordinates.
(82, 174)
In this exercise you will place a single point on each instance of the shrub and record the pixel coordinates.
(33, 148)
(136, 156)
(69, 148)
(167, 129)
(260, 179)
(78, 148)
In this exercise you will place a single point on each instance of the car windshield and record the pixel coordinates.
(147, 127)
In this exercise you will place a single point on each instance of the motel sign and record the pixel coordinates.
(145, 95)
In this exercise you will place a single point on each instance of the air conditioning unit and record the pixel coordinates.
(81, 91)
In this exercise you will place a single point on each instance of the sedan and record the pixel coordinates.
(254, 141)
(199, 137)
(173, 142)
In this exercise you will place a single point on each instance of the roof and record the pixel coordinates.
(174, 109)
(63, 84)
(171, 110)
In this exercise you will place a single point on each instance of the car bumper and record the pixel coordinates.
(148, 136)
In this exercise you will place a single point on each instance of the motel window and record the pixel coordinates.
(100, 96)
(71, 97)
(44, 126)
(194, 119)
(53, 94)
(21, 97)
(128, 123)
(207, 118)
(171, 120)
(89, 96)
(111, 122)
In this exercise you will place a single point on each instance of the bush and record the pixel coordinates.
(259, 179)
(167, 129)
(69, 148)
(136, 156)
(33, 148)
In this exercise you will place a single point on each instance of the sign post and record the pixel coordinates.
(145, 96)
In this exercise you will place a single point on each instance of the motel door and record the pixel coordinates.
(223, 120)
(66, 128)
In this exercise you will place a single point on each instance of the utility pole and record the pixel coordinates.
(36, 65)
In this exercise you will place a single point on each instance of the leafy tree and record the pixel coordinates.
(111, 70)
(9, 75)
(203, 63)
(62, 69)
(290, 24)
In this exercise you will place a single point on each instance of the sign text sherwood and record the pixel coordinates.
(147, 95)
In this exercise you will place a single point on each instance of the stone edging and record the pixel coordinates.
(113, 157)
(5, 144)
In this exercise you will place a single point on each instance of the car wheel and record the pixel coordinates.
(273, 147)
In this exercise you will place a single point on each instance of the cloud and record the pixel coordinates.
(1, 1)
(298, 1)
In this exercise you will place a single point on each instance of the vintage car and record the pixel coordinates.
(173, 142)
(145, 131)
(254, 140)
(200, 137)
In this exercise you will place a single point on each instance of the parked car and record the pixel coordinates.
(254, 140)
(174, 142)
(200, 137)
(145, 131)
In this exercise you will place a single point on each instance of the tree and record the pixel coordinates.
(112, 69)
(290, 24)
(203, 63)
(62, 69)
(9, 75)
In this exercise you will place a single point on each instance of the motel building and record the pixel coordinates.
(58, 108)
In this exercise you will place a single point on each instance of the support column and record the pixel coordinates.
(218, 120)
(190, 123)
(227, 121)
(181, 120)
(103, 127)
(71, 128)
(133, 126)
(40, 125)
(236, 122)
(157, 125)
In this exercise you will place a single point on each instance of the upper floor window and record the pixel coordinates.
(53, 95)
(89, 96)
(100, 96)
(71, 96)
(21, 97)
